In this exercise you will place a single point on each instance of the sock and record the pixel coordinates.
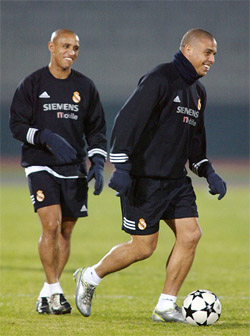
(91, 277)
(45, 291)
(55, 288)
(166, 302)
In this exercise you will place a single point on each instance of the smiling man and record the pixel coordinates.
(159, 129)
(199, 47)
(64, 48)
(53, 111)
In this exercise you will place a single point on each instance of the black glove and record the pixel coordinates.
(57, 145)
(216, 185)
(215, 182)
(96, 171)
(121, 179)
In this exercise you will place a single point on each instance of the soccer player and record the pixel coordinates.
(159, 128)
(56, 112)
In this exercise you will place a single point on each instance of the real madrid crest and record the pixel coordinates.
(40, 195)
(199, 104)
(76, 97)
(142, 224)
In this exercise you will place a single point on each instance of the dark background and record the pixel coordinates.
(120, 41)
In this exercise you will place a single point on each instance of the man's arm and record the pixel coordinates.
(22, 118)
(133, 118)
(95, 132)
(128, 127)
(21, 113)
(95, 127)
(199, 163)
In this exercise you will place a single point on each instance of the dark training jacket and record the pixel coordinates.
(69, 107)
(161, 126)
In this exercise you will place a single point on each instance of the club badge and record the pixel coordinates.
(76, 97)
(199, 104)
(40, 195)
(142, 224)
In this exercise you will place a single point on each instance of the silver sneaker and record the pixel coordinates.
(59, 305)
(84, 293)
(170, 315)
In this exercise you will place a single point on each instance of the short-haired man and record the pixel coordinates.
(52, 111)
(160, 127)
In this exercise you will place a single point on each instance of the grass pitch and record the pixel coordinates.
(124, 301)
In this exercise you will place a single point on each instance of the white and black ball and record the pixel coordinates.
(201, 308)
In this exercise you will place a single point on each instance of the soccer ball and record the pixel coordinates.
(201, 308)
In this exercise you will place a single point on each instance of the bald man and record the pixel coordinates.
(160, 127)
(57, 114)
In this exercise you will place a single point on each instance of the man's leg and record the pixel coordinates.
(187, 232)
(64, 242)
(50, 255)
(49, 249)
(123, 255)
(119, 257)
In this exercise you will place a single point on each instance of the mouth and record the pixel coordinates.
(68, 59)
(206, 67)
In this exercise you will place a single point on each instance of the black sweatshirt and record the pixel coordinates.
(69, 107)
(161, 125)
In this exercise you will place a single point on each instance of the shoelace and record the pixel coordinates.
(89, 292)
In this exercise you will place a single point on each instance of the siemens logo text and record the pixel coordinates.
(188, 111)
(60, 107)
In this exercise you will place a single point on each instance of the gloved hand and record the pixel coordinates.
(121, 179)
(216, 185)
(96, 171)
(57, 145)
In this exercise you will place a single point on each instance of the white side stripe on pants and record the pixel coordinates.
(128, 224)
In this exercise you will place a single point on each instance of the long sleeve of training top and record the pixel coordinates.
(133, 117)
(161, 125)
(70, 107)
(197, 154)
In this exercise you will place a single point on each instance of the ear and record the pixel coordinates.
(188, 49)
(51, 46)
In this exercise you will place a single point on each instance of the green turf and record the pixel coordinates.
(124, 300)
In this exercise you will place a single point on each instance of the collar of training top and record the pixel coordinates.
(185, 68)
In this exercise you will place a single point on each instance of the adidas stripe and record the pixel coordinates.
(118, 158)
(30, 135)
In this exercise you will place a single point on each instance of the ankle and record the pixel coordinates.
(166, 302)
(91, 277)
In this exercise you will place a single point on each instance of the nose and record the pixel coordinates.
(72, 52)
(211, 59)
